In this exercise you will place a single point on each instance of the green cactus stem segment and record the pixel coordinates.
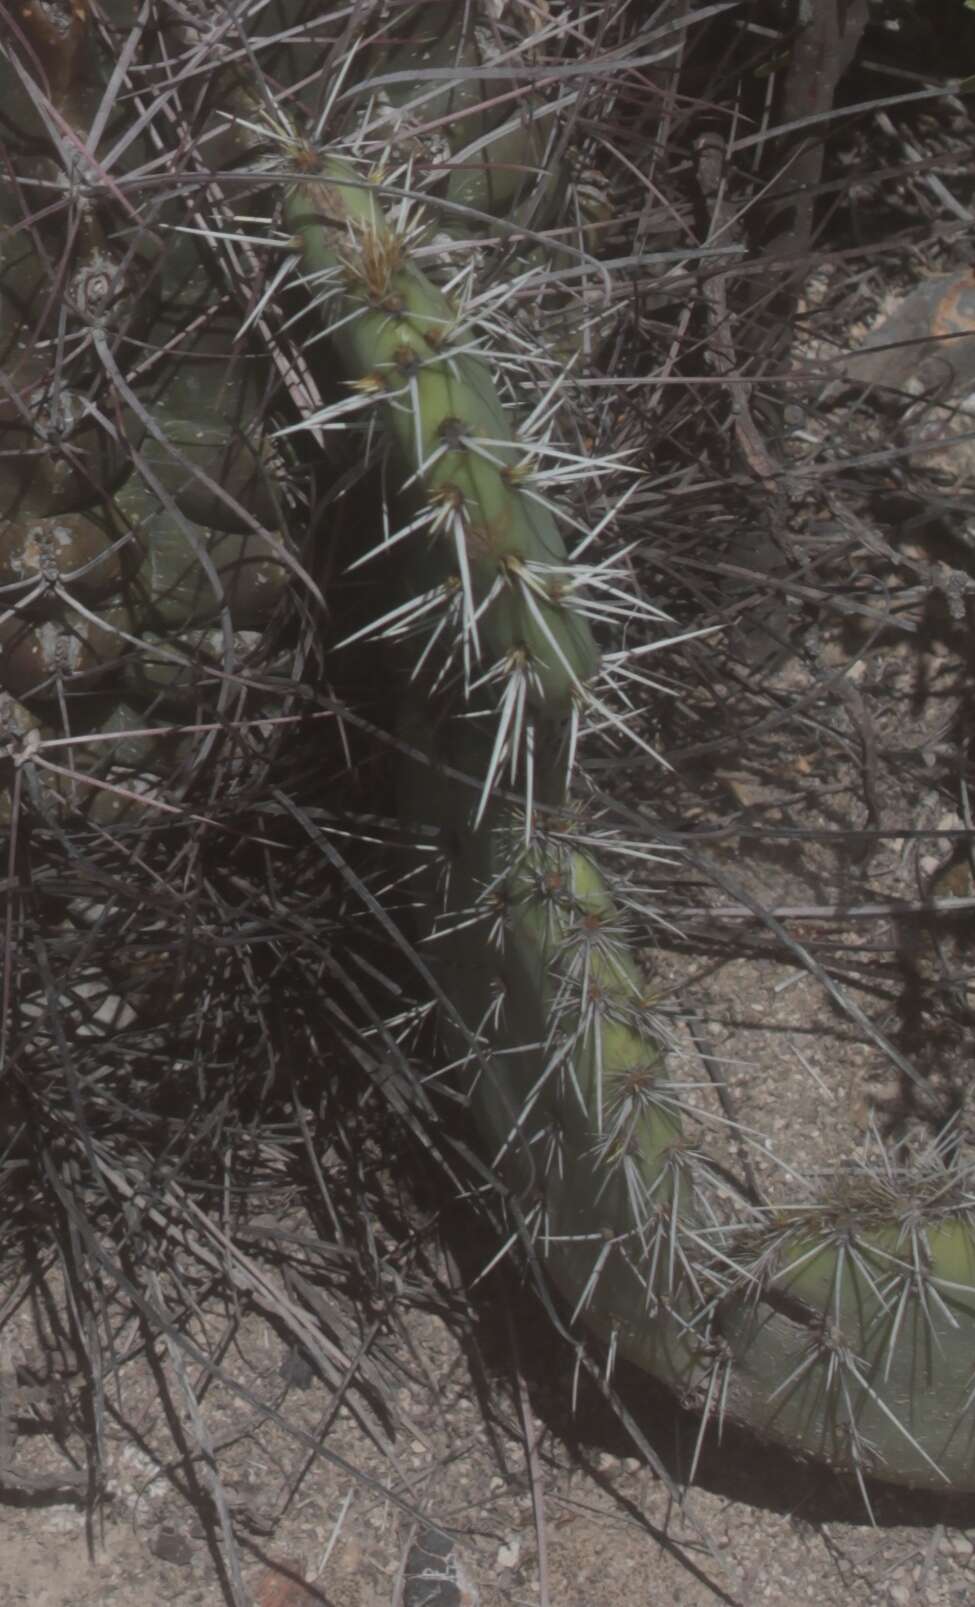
(392, 328)
(859, 1351)
(847, 1342)
(497, 162)
(207, 447)
(569, 1086)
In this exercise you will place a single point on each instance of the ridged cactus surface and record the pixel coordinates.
(143, 543)
(151, 484)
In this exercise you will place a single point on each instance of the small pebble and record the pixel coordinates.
(170, 1545)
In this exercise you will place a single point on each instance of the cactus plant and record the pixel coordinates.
(839, 1328)
(147, 545)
